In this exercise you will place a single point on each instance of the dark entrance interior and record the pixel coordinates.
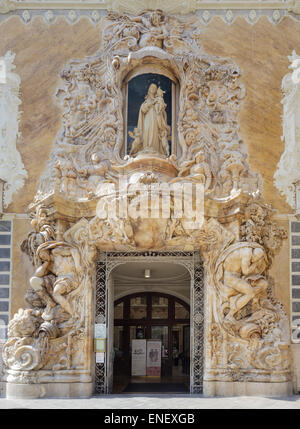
(152, 316)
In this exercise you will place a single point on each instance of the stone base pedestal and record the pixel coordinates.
(49, 390)
(237, 388)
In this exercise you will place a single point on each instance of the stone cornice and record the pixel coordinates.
(206, 10)
(135, 6)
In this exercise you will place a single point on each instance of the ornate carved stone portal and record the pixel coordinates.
(91, 195)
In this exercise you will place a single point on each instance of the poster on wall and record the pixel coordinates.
(154, 358)
(100, 357)
(100, 330)
(138, 357)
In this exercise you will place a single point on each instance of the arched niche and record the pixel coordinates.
(134, 89)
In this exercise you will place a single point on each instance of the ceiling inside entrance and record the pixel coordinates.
(164, 277)
(159, 271)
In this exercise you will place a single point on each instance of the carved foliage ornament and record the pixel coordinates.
(243, 303)
(89, 146)
(51, 334)
(88, 152)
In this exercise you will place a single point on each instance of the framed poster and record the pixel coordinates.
(138, 357)
(100, 357)
(154, 357)
(100, 330)
(99, 345)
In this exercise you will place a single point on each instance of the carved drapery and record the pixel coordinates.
(246, 328)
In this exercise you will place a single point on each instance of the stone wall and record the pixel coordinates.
(42, 50)
(261, 51)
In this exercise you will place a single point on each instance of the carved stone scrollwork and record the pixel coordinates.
(88, 148)
(245, 325)
(52, 334)
(6, 6)
(244, 309)
(25, 350)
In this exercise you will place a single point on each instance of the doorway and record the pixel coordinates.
(152, 316)
(178, 276)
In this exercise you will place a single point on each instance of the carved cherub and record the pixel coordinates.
(226, 183)
(160, 106)
(43, 231)
(252, 229)
(165, 142)
(156, 31)
(137, 143)
(176, 229)
(196, 171)
(97, 168)
(65, 174)
(109, 135)
(159, 100)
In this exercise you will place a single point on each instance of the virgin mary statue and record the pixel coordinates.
(152, 127)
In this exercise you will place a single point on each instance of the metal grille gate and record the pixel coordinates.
(107, 261)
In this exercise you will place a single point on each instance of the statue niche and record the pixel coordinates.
(149, 120)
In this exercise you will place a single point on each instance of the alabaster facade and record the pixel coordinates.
(225, 133)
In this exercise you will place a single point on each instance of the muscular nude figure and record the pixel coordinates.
(242, 277)
(57, 260)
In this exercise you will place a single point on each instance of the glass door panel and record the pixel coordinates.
(119, 311)
(157, 317)
(120, 354)
(136, 333)
(160, 307)
(161, 333)
(118, 340)
(181, 312)
(138, 307)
